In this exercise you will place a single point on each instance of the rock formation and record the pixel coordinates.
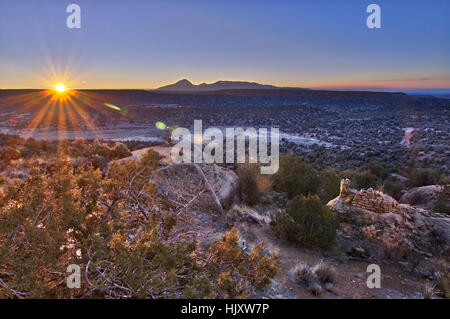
(379, 218)
(198, 186)
(345, 188)
(427, 197)
(198, 194)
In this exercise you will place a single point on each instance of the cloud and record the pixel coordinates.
(436, 78)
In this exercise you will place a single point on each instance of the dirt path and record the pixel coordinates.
(351, 275)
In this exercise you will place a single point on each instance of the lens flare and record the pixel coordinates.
(160, 125)
(123, 110)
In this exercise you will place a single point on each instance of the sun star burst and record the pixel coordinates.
(60, 88)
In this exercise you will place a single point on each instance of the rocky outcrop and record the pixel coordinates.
(345, 189)
(198, 194)
(381, 219)
(426, 197)
(224, 183)
(198, 187)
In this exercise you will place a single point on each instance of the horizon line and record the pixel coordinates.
(337, 88)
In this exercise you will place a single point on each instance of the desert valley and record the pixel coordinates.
(363, 180)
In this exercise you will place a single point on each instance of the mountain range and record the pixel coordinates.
(186, 85)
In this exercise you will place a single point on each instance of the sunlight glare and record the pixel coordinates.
(60, 87)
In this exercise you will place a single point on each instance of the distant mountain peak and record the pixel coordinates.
(181, 85)
(184, 81)
(186, 85)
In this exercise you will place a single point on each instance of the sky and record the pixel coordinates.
(150, 43)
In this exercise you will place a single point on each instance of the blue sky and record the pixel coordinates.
(146, 44)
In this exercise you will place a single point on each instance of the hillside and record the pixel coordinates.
(15, 100)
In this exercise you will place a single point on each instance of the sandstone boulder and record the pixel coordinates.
(424, 197)
(224, 182)
(198, 186)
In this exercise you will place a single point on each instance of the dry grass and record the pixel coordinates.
(325, 272)
(428, 291)
(443, 279)
(315, 289)
(304, 275)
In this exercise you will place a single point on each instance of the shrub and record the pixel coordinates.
(428, 291)
(362, 179)
(325, 273)
(120, 150)
(443, 280)
(98, 148)
(237, 273)
(79, 148)
(295, 177)
(315, 289)
(422, 177)
(307, 223)
(379, 169)
(444, 179)
(304, 275)
(125, 235)
(9, 153)
(393, 188)
(248, 179)
(441, 206)
(150, 159)
(330, 184)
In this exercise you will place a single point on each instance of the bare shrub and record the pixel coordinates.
(315, 289)
(325, 272)
(428, 291)
(304, 275)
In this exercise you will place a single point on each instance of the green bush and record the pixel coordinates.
(393, 187)
(295, 177)
(362, 179)
(248, 180)
(442, 204)
(307, 223)
(422, 177)
(379, 169)
(329, 184)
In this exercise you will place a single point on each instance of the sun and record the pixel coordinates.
(60, 87)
